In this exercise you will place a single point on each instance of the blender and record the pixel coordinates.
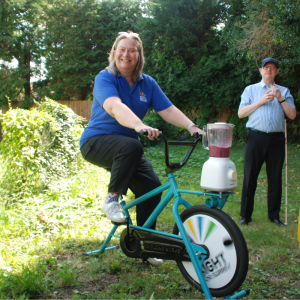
(218, 172)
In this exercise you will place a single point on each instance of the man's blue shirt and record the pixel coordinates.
(144, 94)
(270, 116)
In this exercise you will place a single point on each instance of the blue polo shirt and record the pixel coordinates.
(144, 94)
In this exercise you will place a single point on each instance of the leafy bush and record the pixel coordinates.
(38, 145)
(156, 121)
(67, 275)
(114, 267)
(239, 131)
(11, 84)
(30, 282)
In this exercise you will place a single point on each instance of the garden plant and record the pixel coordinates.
(202, 53)
(45, 234)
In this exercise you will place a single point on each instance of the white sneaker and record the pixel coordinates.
(155, 261)
(114, 212)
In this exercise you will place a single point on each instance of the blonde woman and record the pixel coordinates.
(122, 97)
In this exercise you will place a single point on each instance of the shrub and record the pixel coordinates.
(28, 283)
(38, 145)
(239, 131)
(156, 121)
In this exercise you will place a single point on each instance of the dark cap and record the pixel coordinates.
(269, 59)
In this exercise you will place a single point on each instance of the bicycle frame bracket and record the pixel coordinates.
(138, 243)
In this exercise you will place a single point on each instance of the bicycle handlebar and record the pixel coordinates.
(176, 166)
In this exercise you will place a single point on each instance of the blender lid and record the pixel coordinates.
(216, 124)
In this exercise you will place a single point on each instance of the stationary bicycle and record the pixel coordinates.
(207, 245)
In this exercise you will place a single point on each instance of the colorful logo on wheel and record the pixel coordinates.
(204, 232)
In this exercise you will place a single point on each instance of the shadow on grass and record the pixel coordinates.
(51, 264)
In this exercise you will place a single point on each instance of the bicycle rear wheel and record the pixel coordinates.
(226, 267)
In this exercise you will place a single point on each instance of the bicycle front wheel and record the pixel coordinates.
(226, 267)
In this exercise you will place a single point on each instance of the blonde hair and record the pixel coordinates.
(112, 68)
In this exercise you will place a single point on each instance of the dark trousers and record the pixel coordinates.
(259, 148)
(124, 157)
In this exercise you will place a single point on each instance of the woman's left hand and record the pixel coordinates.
(194, 129)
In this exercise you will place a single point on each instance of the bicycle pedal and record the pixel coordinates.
(119, 223)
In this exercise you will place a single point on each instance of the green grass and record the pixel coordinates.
(42, 239)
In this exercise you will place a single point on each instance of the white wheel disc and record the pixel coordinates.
(220, 267)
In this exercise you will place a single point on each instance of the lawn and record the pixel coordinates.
(42, 239)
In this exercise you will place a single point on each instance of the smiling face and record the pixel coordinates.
(269, 72)
(126, 56)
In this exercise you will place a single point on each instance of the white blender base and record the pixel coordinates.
(219, 174)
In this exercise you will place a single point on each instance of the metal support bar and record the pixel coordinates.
(103, 247)
(197, 261)
(239, 295)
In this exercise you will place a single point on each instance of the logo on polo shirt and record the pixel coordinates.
(143, 97)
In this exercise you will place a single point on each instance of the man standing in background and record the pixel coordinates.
(265, 103)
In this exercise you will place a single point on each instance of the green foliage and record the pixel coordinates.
(20, 39)
(25, 138)
(239, 132)
(199, 65)
(29, 282)
(155, 120)
(38, 146)
(83, 26)
(174, 35)
(67, 274)
(285, 16)
(203, 115)
(264, 28)
(114, 267)
(12, 84)
(170, 73)
(180, 28)
(48, 234)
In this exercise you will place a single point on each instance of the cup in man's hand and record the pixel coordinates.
(273, 91)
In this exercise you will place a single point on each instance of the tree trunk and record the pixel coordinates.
(26, 75)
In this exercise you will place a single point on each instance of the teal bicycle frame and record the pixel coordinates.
(197, 253)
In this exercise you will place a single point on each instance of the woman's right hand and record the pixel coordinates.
(152, 132)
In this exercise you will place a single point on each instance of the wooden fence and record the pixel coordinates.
(80, 107)
(83, 109)
(222, 116)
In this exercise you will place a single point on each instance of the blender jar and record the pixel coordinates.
(219, 139)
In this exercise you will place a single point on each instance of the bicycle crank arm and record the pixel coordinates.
(138, 243)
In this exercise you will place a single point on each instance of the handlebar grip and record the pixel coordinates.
(145, 133)
(198, 136)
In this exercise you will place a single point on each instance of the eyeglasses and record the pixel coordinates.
(129, 33)
(269, 68)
